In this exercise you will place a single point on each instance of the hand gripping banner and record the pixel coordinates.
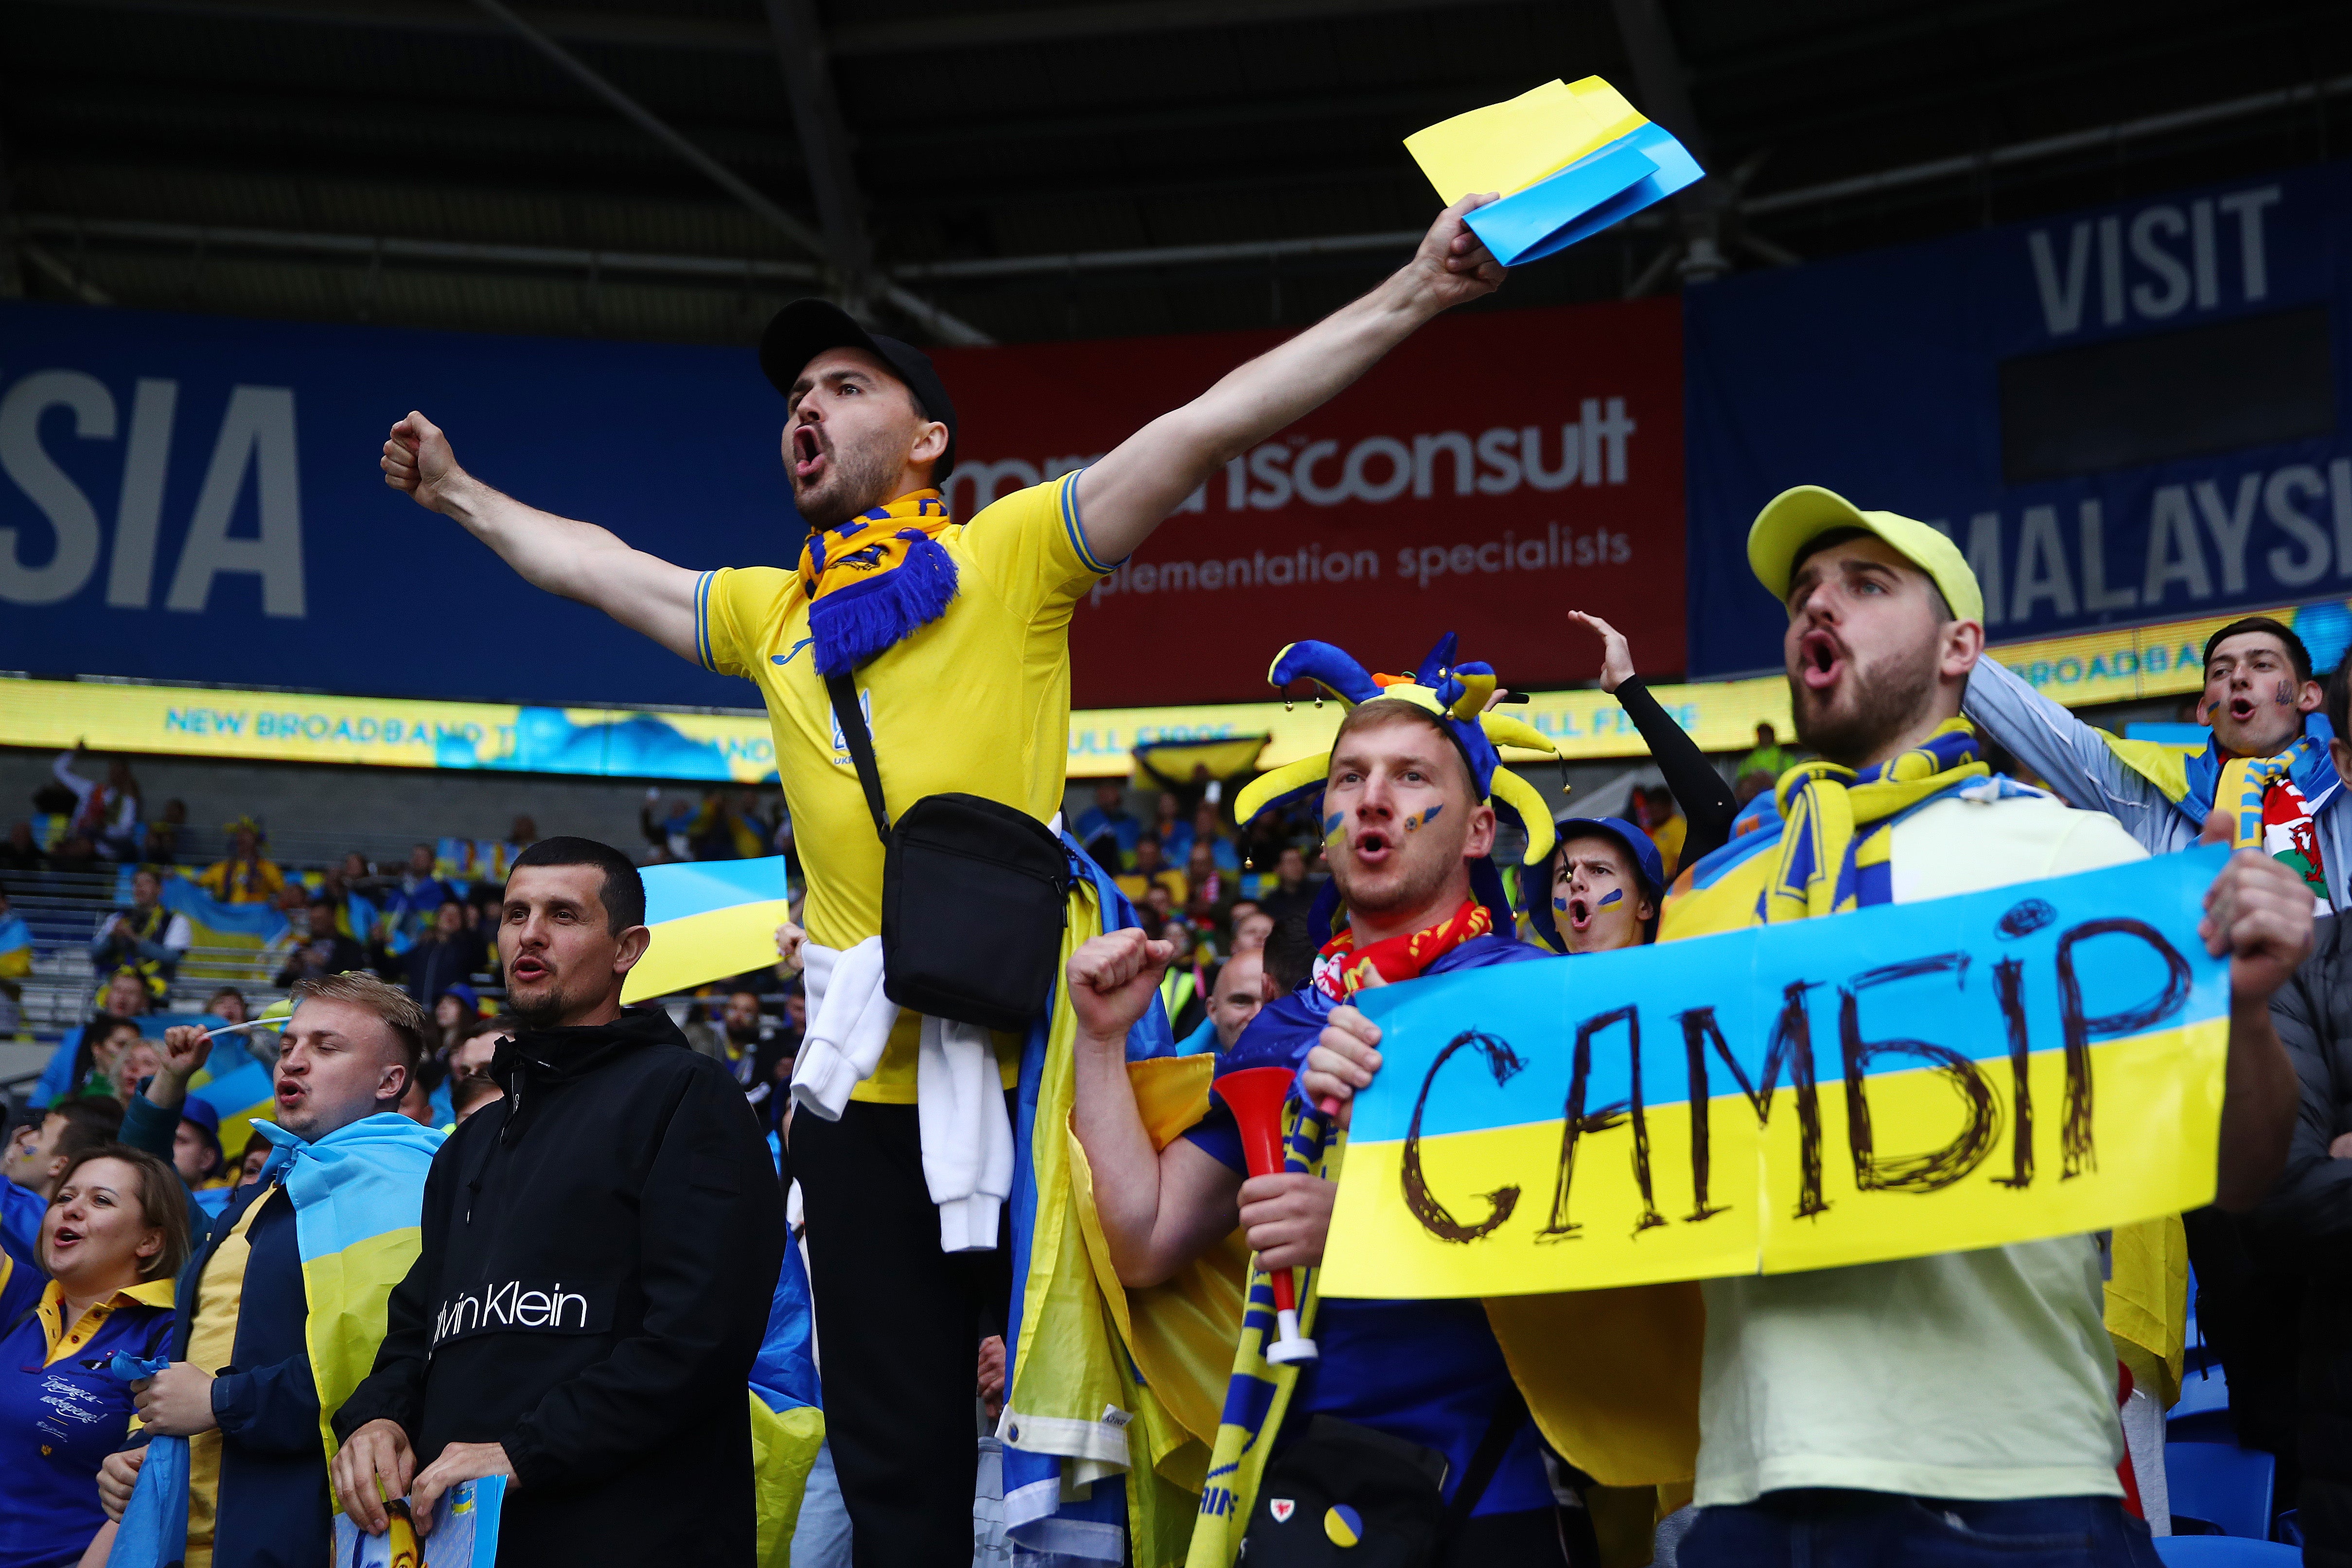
(2037, 1060)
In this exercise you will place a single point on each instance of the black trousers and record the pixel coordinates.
(899, 1327)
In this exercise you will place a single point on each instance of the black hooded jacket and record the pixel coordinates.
(599, 1249)
(2304, 1229)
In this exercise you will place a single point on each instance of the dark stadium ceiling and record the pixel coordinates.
(1029, 169)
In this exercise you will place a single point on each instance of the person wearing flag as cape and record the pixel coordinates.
(1409, 798)
(1957, 1408)
(281, 1305)
(953, 635)
(2266, 764)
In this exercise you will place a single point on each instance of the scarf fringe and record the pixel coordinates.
(852, 623)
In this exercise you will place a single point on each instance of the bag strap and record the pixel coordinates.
(851, 720)
(1510, 1415)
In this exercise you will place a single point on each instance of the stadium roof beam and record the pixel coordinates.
(1664, 87)
(947, 327)
(370, 247)
(1054, 266)
(908, 36)
(824, 144)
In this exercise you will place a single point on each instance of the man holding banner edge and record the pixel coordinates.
(1408, 795)
(956, 633)
(1945, 1406)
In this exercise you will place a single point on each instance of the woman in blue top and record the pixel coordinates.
(115, 1233)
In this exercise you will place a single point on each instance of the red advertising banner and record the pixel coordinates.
(1493, 473)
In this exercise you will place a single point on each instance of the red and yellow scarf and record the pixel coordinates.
(870, 584)
(1342, 969)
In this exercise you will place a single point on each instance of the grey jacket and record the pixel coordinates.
(2082, 771)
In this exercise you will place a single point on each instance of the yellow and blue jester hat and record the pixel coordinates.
(1456, 695)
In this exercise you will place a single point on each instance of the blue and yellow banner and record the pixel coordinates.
(2036, 1060)
(2111, 665)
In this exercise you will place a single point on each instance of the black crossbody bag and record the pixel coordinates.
(975, 896)
(1394, 1488)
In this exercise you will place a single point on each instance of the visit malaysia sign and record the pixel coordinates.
(2033, 1061)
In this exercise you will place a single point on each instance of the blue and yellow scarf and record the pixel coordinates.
(2273, 801)
(870, 584)
(1833, 835)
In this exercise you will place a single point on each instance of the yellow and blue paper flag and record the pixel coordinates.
(1568, 159)
(711, 920)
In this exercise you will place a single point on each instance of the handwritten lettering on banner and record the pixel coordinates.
(2037, 1060)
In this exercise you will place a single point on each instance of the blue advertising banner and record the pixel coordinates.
(2129, 413)
(197, 499)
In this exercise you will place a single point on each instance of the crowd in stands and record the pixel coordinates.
(119, 1173)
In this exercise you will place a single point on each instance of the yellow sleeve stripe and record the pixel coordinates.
(1077, 529)
(702, 620)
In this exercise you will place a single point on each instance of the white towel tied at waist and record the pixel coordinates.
(849, 1024)
(967, 1133)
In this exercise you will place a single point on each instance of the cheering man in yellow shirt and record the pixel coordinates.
(955, 637)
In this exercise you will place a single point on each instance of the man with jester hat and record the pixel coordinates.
(2266, 762)
(1958, 1408)
(1409, 797)
(950, 637)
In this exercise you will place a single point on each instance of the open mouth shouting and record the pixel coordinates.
(1372, 847)
(528, 969)
(1820, 660)
(66, 1238)
(809, 456)
(291, 1093)
(2242, 707)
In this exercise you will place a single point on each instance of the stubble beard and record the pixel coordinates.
(854, 481)
(1415, 889)
(1870, 708)
(542, 1009)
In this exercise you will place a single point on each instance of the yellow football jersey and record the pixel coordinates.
(977, 702)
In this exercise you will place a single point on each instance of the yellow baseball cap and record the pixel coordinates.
(1795, 518)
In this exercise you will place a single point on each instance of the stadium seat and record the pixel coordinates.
(2202, 1412)
(2228, 1487)
(2223, 1552)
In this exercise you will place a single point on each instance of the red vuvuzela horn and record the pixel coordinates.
(1255, 1096)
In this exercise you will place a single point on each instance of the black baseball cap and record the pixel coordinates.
(806, 328)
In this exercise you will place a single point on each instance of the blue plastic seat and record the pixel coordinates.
(2202, 1412)
(2228, 1487)
(2223, 1552)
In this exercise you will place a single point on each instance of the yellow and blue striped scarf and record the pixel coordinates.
(1835, 840)
(870, 584)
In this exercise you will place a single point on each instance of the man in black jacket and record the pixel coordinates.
(600, 1247)
(2300, 1231)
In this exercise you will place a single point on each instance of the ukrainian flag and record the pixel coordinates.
(711, 920)
(1570, 158)
(237, 935)
(359, 1196)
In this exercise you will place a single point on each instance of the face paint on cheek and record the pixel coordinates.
(1614, 896)
(2284, 695)
(1413, 822)
(1560, 902)
(1334, 827)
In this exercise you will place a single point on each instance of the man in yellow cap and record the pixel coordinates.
(1947, 1408)
(952, 639)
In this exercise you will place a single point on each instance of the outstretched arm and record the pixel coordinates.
(2068, 755)
(1134, 488)
(577, 559)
